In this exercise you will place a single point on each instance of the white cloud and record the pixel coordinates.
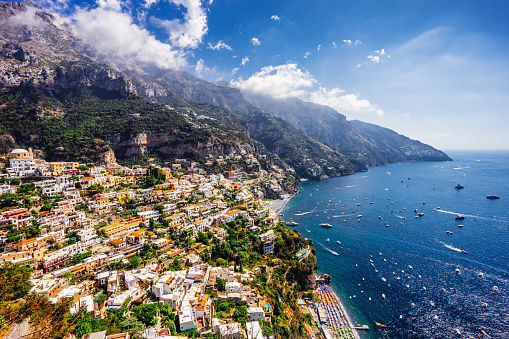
(220, 44)
(374, 58)
(149, 3)
(347, 42)
(306, 55)
(113, 33)
(255, 42)
(27, 17)
(113, 5)
(343, 103)
(357, 42)
(235, 70)
(190, 32)
(318, 48)
(200, 68)
(275, 18)
(334, 44)
(359, 65)
(244, 60)
(282, 81)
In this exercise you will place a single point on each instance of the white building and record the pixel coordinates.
(254, 330)
(268, 248)
(187, 317)
(256, 313)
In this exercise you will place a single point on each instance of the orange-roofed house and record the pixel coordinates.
(28, 244)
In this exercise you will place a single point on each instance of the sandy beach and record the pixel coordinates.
(277, 205)
(337, 319)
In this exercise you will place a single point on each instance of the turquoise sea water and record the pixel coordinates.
(418, 251)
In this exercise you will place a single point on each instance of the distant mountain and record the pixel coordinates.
(368, 144)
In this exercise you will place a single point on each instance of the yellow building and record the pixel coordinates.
(59, 168)
(21, 154)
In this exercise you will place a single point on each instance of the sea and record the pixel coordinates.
(432, 289)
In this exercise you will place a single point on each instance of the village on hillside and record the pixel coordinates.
(153, 252)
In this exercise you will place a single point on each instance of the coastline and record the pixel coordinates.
(276, 206)
(339, 303)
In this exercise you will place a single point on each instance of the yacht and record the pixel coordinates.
(339, 242)
(325, 225)
(460, 217)
(458, 187)
(292, 223)
(491, 196)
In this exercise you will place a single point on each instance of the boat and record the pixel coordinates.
(457, 271)
(459, 217)
(448, 232)
(421, 214)
(463, 251)
(383, 296)
(495, 289)
(460, 225)
(327, 240)
(491, 196)
(380, 325)
(458, 187)
(292, 223)
(359, 216)
(379, 217)
(339, 242)
(416, 210)
(443, 289)
(325, 225)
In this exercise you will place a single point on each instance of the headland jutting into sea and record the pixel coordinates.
(403, 260)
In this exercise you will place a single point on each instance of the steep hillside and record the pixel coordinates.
(399, 145)
(55, 97)
(309, 157)
(367, 143)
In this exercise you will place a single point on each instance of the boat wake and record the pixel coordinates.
(302, 213)
(351, 185)
(449, 212)
(329, 250)
(451, 247)
(471, 216)
(399, 216)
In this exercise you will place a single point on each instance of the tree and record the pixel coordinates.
(240, 314)
(159, 208)
(86, 324)
(221, 262)
(14, 281)
(94, 189)
(221, 284)
(15, 182)
(146, 313)
(133, 325)
(70, 276)
(135, 261)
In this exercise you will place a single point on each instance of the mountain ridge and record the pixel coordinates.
(49, 79)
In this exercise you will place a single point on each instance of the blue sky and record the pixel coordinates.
(437, 71)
